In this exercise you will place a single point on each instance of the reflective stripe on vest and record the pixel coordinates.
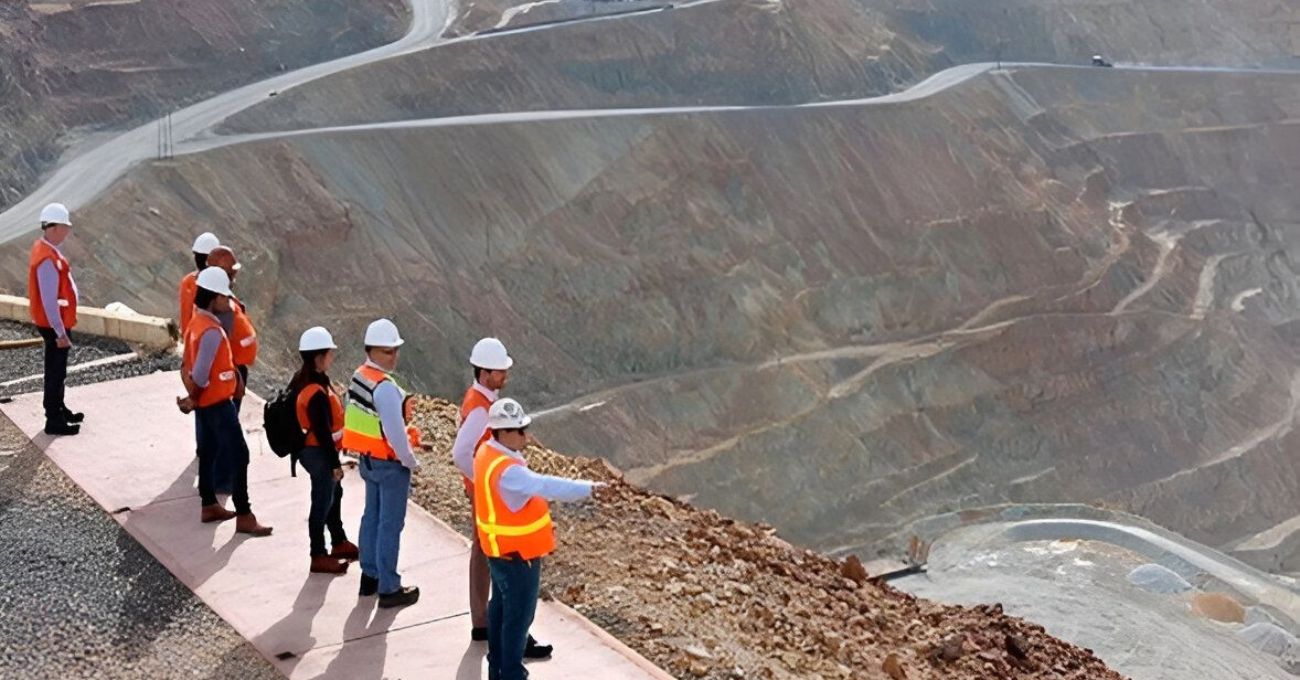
(222, 378)
(189, 286)
(529, 532)
(66, 301)
(243, 337)
(363, 432)
(474, 399)
(304, 421)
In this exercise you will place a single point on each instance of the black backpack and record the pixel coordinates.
(280, 420)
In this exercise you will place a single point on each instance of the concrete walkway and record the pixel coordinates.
(135, 458)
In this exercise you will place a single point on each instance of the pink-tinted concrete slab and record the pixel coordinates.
(137, 451)
(448, 654)
(156, 441)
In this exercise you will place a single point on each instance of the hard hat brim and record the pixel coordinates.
(225, 292)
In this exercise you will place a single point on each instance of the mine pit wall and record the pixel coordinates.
(751, 52)
(872, 313)
(70, 69)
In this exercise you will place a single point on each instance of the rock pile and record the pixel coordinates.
(704, 596)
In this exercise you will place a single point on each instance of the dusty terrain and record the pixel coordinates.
(752, 52)
(74, 67)
(703, 596)
(991, 294)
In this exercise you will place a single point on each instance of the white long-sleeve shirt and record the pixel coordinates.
(518, 483)
(469, 434)
(388, 402)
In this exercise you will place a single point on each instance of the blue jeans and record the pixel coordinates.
(388, 483)
(510, 614)
(223, 455)
(326, 496)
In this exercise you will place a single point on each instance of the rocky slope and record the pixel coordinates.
(835, 319)
(703, 596)
(74, 67)
(747, 52)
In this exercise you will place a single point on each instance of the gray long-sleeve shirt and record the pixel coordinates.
(518, 484)
(47, 280)
(209, 343)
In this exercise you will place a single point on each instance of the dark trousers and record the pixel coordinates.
(326, 497)
(223, 455)
(56, 372)
(243, 377)
(515, 584)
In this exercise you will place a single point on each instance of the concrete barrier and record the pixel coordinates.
(150, 332)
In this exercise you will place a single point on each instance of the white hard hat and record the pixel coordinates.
(383, 333)
(507, 414)
(316, 338)
(206, 241)
(216, 280)
(55, 213)
(489, 353)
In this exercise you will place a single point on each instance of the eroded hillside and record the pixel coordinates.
(73, 67)
(755, 52)
(833, 319)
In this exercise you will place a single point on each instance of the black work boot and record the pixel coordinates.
(400, 598)
(61, 428)
(72, 416)
(369, 585)
(537, 650)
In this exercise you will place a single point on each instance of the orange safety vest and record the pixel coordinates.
(243, 337)
(42, 250)
(474, 399)
(305, 395)
(527, 534)
(362, 432)
(189, 286)
(222, 378)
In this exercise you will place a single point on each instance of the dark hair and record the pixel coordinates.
(307, 374)
(200, 261)
(203, 298)
(47, 225)
(508, 429)
(478, 371)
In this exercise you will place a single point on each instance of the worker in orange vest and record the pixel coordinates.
(53, 306)
(203, 245)
(211, 382)
(491, 364)
(239, 328)
(513, 523)
(320, 415)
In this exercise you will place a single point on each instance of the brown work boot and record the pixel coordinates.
(247, 524)
(324, 564)
(214, 513)
(347, 550)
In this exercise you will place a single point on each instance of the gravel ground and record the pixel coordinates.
(82, 599)
(20, 363)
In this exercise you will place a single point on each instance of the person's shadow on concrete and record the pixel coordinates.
(358, 625)
(292, 634)
(471, 664)
(185, 534)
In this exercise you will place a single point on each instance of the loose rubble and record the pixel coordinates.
(704, 596)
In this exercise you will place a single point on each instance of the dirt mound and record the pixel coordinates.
(1218, 607)
(704, 596)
